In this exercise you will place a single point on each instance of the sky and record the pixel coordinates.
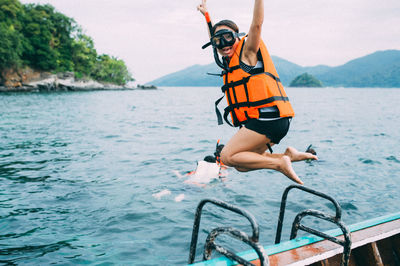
(158, 37)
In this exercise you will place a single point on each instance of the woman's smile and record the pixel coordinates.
(227, 51)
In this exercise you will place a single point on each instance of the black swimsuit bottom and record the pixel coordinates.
(275, 130)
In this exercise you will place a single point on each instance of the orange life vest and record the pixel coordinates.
(247, 93)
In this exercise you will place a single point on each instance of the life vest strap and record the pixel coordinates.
(271, 75)
(227, 120)
(256, 103)
(225, 87)
(231, 69)
(245, 80)
(231, 108)
(219, 116)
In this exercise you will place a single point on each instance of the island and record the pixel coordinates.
(42, 49)
(305, 80)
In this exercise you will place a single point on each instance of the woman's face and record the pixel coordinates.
(229, 50)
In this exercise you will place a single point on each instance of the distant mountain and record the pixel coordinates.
(380, 69)
(195, 75)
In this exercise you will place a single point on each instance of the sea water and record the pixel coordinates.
(79, 171)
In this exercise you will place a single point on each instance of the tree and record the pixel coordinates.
(10, 47)
(11, 39)
(111, 70)
(84, 55)
(37, 28)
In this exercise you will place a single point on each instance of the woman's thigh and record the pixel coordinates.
(245, 140)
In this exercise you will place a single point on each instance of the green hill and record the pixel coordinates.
(380, 69)
(305, 80)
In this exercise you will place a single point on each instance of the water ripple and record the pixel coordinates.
(34, 249)
(19, 212)
(393, 159)
(24, 234)
(369, 161)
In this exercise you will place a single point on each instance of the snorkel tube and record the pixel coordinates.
(222, 64)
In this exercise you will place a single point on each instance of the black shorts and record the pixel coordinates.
(275, 130)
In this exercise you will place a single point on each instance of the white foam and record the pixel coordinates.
(180, 197)
(162, 193)
(177, 173)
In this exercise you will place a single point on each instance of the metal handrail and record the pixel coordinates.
(338, 213)
(336, 219)
(346, 243)
(233, 208)
(210, 245)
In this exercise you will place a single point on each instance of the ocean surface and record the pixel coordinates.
(78, 171)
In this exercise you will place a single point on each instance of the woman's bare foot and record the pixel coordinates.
(296, 155)
(286, 168)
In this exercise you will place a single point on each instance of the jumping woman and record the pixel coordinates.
(257, 102)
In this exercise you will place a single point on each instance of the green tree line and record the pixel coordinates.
(40, 37)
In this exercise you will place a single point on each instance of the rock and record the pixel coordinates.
(146, 87)
(29, 79)
(11, 78)
(65, 75)
(27, 75)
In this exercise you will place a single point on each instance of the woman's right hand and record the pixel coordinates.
(202, 7)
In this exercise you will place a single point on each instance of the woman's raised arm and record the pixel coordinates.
(203, 9)
(252, 44)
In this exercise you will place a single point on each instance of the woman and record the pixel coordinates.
(264, 120)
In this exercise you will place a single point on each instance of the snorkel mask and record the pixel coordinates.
(223, 38)
(219, 40)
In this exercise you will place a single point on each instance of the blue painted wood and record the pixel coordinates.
(299, 242)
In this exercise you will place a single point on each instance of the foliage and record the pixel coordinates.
(84, 55)
(42, 38)
(305, 80)
(11, 38)
(111, 70)
(10, 47)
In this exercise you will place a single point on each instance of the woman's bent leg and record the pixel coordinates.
(245, 152)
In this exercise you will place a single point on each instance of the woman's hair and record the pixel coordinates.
(210, 159)
(228, 23)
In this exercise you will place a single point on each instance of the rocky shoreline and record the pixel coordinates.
(28, 80)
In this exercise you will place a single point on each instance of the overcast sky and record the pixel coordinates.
(157, 37)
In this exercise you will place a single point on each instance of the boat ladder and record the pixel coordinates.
(296, 226)
(252, 241)
(230, 231)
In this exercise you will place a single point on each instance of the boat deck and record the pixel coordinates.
(374, 242)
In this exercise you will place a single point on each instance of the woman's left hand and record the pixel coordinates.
(202, 7)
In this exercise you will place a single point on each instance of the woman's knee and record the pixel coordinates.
(226, 157)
